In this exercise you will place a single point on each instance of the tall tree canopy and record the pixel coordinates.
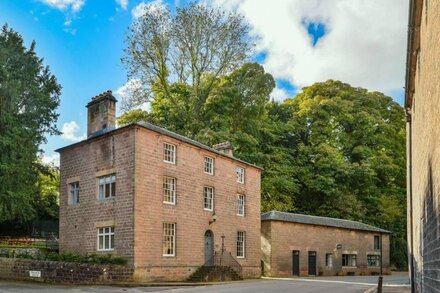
(29, 97)
(164, 49)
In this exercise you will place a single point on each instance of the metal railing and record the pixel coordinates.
(49, 242)
(224, 259)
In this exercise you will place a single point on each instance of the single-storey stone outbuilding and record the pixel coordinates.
(303, 245)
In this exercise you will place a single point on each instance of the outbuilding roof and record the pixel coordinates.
(319, 221)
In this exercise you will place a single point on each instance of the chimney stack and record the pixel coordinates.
(224, 147)
(101, 116)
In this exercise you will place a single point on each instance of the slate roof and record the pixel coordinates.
(319, 221)
(161, 131)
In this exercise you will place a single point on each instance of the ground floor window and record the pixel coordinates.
(349, 260)
(241, 243)
(373, 260)
(329, 260)
(106, 238)
(169, 239)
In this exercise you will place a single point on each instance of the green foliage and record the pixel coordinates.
(333, 150)
(165, 48)
(64, 257)
(29, 97)
(133, 116)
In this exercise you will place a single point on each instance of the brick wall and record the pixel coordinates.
(60, 272)
(426, 153)
(192, 221)
(279, 239)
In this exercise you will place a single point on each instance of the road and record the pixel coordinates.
(303, 285)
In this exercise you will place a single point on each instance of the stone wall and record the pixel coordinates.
(279, 239)
(62, 272)
(425, 157)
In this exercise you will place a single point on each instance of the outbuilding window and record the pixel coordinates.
(329, 260)
(349, 260)
(373, 260)
(376, 242)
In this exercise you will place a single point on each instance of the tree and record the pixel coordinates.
(349, 156)
(165, 49)
(29, 97)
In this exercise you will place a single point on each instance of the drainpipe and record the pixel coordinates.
(410, 198)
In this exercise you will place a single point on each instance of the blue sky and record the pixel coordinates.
(82, 41)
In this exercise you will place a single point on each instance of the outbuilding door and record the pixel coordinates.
(312, 263)
(209, 247)
(295, 262)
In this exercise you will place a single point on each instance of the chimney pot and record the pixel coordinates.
(101, 116)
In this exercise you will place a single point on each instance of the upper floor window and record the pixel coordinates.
(209, 165)
(169, 190)
(169, 239)
(106, 238)
(107, 186)
(376, 242)
(208, 195)
(240, 204)
(74, 193)
(169, 153)
(241, 244)
(240, 174)
(349, 260)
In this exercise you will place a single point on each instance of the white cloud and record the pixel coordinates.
(139, 10)
(54, 159)
(279, 95)
(70, 132)
(122, 3)
(364, 44)
(74, 5)
(125, 95)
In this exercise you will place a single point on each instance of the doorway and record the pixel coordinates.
(312, 263)
(295, 262)
(209, 248)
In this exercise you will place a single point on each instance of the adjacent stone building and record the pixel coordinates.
(164, 202)
(303, 245)
(422, 104)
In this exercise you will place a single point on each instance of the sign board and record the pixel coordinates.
(35, 274)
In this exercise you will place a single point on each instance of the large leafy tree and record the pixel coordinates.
(29, 97)
(349, 156)
(183, 53)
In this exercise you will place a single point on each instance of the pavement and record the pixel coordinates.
(396, 283)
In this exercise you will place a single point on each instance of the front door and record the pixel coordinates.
(312, 263)
(295, 262)
(209, 247)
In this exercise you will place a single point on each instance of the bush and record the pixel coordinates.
(67, 257)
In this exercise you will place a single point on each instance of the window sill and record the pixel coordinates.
(241, 257)
(208, 210)
(211, 174)
(169, 203)
(168, 162)
(105, 250)
(349, 267)
(238, 215)
(168, 256)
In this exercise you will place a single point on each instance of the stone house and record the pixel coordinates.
(422, 105)
(164, 202)
(303, 245)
